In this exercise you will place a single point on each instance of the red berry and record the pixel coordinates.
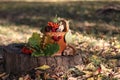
(30, 51)
(55, 38)
(23, 49)
(59, 37)
(99, 69)
(26, 50)
(53, 30)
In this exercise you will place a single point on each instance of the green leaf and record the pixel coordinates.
(50, 49)
(55, 19)
(35, 40)
(37, 54)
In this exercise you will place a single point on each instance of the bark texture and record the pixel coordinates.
(16, 62)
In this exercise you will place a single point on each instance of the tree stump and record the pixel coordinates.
(1, 60)
(16, 62)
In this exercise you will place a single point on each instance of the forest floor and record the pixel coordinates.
(98, 32)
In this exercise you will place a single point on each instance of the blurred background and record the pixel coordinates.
(20, 18)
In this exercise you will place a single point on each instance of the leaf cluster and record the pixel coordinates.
(36, 43)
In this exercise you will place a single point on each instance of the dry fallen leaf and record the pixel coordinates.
(80, 67)
(43, 67)
(27, 77)
(72, 78)
(21, 78)
(90, 66)
(105, 70)
(2, 74)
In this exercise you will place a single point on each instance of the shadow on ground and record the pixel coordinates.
(36, 14)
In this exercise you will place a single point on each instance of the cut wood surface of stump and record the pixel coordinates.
(16, 62)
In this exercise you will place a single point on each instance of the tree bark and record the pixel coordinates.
(16, 62)
(1, 60)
